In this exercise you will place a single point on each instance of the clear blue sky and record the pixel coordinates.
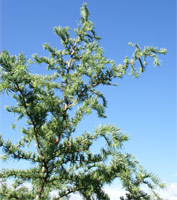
(144, 108)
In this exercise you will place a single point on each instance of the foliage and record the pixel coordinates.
(63, 162)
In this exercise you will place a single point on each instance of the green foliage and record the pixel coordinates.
(65, 163)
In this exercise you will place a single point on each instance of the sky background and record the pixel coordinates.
(144, 108)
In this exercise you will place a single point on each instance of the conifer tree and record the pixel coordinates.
(53, 105)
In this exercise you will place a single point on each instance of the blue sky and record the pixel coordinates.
(144, 108)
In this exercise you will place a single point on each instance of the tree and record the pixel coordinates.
(53, 105)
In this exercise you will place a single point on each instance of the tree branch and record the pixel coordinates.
(38, 144)
(67, 193)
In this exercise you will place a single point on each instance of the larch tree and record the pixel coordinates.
(52, 105)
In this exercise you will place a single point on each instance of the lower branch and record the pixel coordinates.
(67, 193)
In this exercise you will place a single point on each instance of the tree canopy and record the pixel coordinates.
(53, 105)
